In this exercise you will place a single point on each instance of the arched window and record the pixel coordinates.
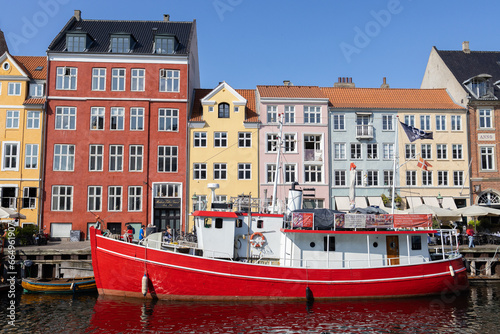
(223, 110)
(488, 198)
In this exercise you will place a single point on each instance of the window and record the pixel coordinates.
(411, 178)
(33, 120)
(372, 151)
(426, 151)
(416, 242)
(169, 80)
(356, 151)
(272, 142)
(427, 178)
(440, 122)
(425, 122)
(136, 119)
(76, 43)
(62, 198)
(456, 123)
(339, 178)
(29, 197)
(168, 119)
(120, 44)
(97, 115)
(96, 153)
(313, 148)
(290, 142)
(64, 157)
(99, 79)
(313, 173)
(338, 122)
(14, 88)
(118, 79)
(339, 151)
(289, 114)
(387, 123)
(244, 171)
(272, 114)
(134, 198)
(312, 115)
(290, 173)
(210, 109)
(65, 118)
(458, 178)
(94, 199)
(10, 156)
(167, 159)
(244, 139)
(166, 190)
(66, 78)
(410, 151)
(487, 157)
(117, 118)
(36, 90)
(12, 119)
(485, 118)
(456, 150)
(442, 178)
(329, 244)
(442, 151)
(135, 158)
(31, 156)
(388, 177)
(164, 45)
(410, 120)
(137, 79)
(223, 110)
(220, 171)
(360, 178)
(220, 139)
(199, 171)
(200, 139)
(388, 151)
(114, 198)
(115, 158)
(480, 87)
(236, 109)
(372, 178)
(271, 173)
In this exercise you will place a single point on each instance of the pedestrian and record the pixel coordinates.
(142, 232)
(129, 233)
(168, 235)
(470, 234)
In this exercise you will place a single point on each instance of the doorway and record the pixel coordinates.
(392, 246)
(167, 217)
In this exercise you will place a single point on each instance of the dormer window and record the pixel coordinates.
(480, 86)
(121, 43)
(165, 44)
(36, 89)
(76, 42)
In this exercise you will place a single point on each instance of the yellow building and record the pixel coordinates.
(223, 146)
(22, 105)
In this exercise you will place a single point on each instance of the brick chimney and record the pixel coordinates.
(3, 43)
(384, 83)
(344, 82)
(166, 17)
(78, 15)
(465, 47)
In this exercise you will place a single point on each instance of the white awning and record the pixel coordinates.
(414, 201)
(342, 203)
(431, 201)
(361, 202)
(376, 201)
(449, 203)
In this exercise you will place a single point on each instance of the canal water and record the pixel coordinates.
(476, 311)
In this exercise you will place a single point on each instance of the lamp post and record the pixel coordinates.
(440, 200)
(195, 201)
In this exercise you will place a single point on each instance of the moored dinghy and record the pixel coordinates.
(59, 285)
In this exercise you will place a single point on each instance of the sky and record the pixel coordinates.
(255, 42)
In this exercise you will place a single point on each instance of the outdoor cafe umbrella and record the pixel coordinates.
(477, 211)
(9, 213)
(444, 214)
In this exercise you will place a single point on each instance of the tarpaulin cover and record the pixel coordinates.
(323, 218)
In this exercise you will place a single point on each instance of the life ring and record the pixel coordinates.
(257, 239)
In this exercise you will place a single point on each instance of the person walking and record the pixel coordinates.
(470, 234)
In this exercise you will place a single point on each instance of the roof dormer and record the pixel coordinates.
(77, 41)
(165, 44)
(121, 43)
(480, 86)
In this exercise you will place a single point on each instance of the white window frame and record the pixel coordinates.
(96, 157)
(456, 123)
(440, 122)
(290, 142)
(490, 153)
(220, 171)
(136, 119)
(356, 152)
(411, 175)
(199, 139)
(339, 151)
(388, 178)
(426, 178)
(220, 139)
(168, 120)
(134, 199)
(117, 119)
(168, 161)
(64, 158)
(388, 149)
(135, 158)
(425, 122)
(270, 173)
(118, 79)
(409, 149)
(339, 178)
(372, 178)
(137, 79)
(97, 117)
(244, 171)
(11, 157)
(441, 151)
(199, 171)
(370, 149)
(244, 139)
(271, 142)
(12, 119)
(94, 198)
(30, 199)
(388, 122)
(31, 154)
(36, 89)
(485, 120)
(410, 120)
(442, 178)
(312, 114)
(272, 114)
(290, 173)
(339, 122)
(457, 152)
(66, 197)
(98, 79)
(116, 153)
(313, 171)
(66, 78)
(289, 117)
(169, 81)
(458, 178)
(427, 152)
(33, 119)
(14, 89)
(65, 118)
(115, 201)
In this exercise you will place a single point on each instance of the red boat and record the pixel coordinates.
(247, 256)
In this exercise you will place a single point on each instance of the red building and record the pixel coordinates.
(118, 100)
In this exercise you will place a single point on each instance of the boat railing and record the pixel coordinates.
(382, 261)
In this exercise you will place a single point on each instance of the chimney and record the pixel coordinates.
(3, 44)
(465, 47)
(384, 83)
(287, 83)
(166, 17)
(344, 82)
(78, 14)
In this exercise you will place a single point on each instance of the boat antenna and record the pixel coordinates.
(278, 156)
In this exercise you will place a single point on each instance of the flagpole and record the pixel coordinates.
(394, 165)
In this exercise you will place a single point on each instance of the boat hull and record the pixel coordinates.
(78, 285)
(119, 269)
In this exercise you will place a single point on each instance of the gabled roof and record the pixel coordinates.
(290, 92)
(3, 43)
(34, 66)
(144, 32)
(390, 98)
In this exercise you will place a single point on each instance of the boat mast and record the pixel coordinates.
(278, 156)
(395, 149)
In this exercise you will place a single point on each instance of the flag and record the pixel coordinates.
(414, 133)
(423, 164)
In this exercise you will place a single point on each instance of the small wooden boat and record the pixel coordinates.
(59, 285)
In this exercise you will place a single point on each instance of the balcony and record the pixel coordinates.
(364, 131)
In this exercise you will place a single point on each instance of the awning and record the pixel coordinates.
(431, 201)
(376, 201)
(361, 202)
(449, 203)
(342, 203)
(414, 201)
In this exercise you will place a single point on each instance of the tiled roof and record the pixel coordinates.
(142, 31)
(3, 44)
(391, 98)
(33, 101)
(36, 67)
(467, 65)
(304, 92)
(197, 113)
